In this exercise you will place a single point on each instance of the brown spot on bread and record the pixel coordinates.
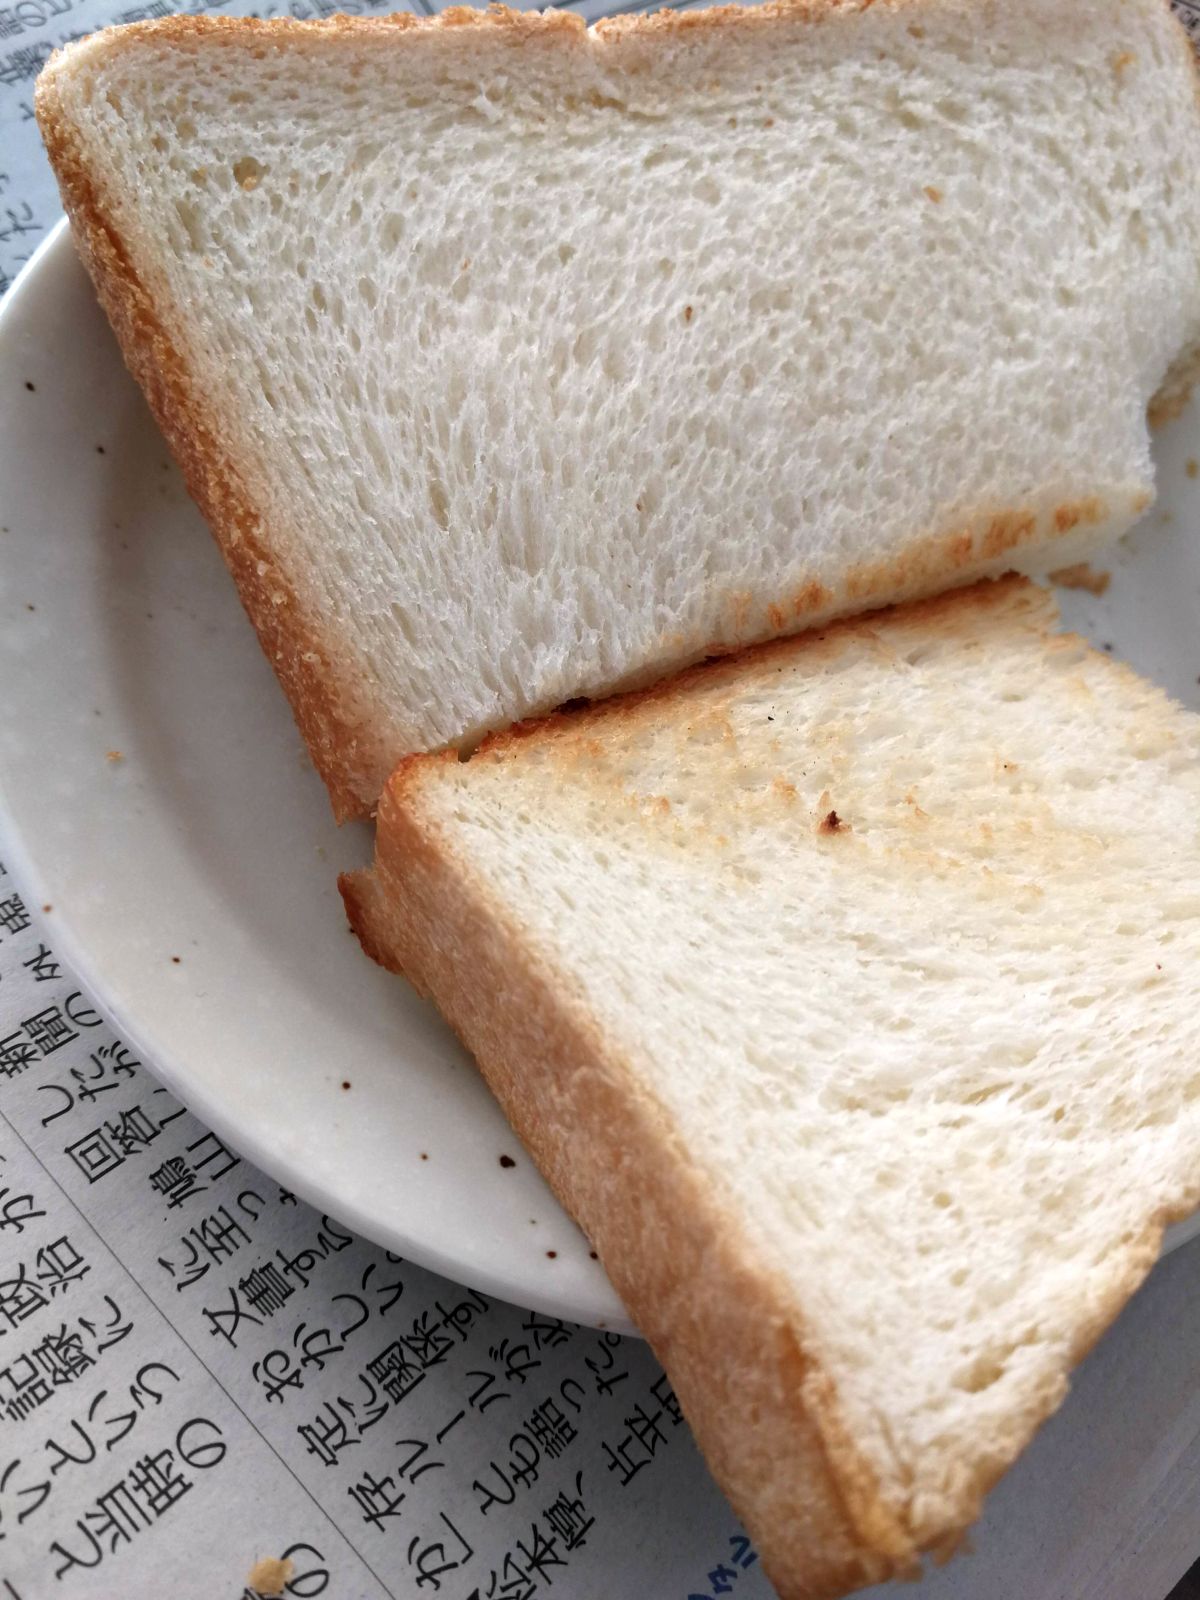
(831, 823)
(1122, 60)
(113, 755)
(687, 313)
(1192, 468)
(776, 618)
(926, 561)
(933, 194)
(959, 547)
(247, 173)
(811, 597)
(1175, 390)
(1005, 531)
(1081, 576)
(507, 1161)
(1071, 514)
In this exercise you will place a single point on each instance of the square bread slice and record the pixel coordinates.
(847, 992)
(512, 361)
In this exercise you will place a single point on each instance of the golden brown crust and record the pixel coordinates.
(499, 20)
(291, 640)
(801, 1488)
(956, 608)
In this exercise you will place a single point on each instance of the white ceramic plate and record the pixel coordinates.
(211, 840)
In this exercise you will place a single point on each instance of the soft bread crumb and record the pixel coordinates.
(1082, 576)
(636, 398)
(271, 1576)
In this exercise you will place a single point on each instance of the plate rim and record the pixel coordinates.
(202, 1102)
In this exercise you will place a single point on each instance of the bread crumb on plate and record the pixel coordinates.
(271, 1576)
(1082, 576)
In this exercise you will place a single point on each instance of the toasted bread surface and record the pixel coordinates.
(845, 993)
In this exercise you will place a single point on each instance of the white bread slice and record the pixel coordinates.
(846, 991)
(513, 362)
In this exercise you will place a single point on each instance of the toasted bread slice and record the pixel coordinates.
(846, 993)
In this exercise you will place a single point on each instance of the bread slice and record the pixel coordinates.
(513, 362)
(846, 993)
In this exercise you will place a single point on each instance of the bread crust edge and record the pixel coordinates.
(807, 1497)
(291, 640)
(550, 24)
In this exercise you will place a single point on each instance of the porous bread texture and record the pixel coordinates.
(514, 362)
(846, 993)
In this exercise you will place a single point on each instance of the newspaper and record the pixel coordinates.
(199, 1372)
(207, 1389)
